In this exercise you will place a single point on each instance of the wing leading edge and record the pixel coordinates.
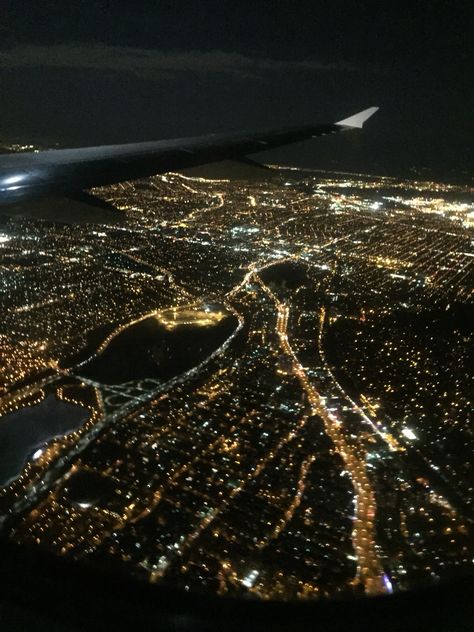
(66, 171)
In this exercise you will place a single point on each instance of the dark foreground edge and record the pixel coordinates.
(42, 592)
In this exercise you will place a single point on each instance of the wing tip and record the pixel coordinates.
(358, 120)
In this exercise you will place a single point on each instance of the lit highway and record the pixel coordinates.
(369, 570)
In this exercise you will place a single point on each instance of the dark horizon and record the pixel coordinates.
(116, 73)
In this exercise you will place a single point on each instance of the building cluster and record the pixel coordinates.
(322, 448)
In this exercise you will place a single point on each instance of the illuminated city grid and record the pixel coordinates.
(273, 375)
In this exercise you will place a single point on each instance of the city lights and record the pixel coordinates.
(269, 377)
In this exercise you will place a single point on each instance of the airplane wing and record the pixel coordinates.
(69, 171)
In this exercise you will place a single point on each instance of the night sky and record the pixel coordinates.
(75, 72)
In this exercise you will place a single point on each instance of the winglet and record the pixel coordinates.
(357, 120)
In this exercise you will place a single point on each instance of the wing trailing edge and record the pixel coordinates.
(63, 172)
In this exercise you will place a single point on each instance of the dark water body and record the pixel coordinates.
(291, 274)
(120, 260)
(148, 350)
(24, 431)
(89, 487)
(93, 341)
